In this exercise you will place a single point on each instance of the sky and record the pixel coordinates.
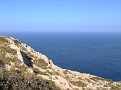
(60, 15)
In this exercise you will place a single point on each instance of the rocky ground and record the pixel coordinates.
(20, 63)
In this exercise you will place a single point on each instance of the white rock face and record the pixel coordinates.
(30, 70)
(19, 56)
(9, 55)
(62, 83)
(7, 67)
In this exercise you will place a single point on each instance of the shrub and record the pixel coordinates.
(65, 72)
(41, 63)
(7, 49)
(115, 87)
(17, 42)
(97, 78)
(3, 40)
(6, 60)
(1, 71)
(25, 82)
(78, 83)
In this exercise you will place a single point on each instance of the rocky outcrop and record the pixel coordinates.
(17, 57)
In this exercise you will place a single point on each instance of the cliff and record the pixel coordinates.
(22, 68)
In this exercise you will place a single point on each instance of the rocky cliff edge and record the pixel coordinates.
(19, 59)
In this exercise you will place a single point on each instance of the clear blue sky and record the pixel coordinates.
(60, 15)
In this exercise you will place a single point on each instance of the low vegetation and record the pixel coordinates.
(6, 60)
(25, 82)
(65, 72)
(97, 78)
(78, 83)
(3, 40)
(115, 87)
(7, 49)
(40, 63)
(17, 42)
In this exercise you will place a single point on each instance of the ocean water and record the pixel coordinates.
(94, 53)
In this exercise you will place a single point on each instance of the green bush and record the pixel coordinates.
(78, 83)
(6, 60)
(115, 87)
(65, 72)
(41, 63)
(7, 49)
(25, 82)
(17, 42)
(1, 71)
(3, 40)
(97, 78)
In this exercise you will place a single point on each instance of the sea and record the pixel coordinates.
(92, 53)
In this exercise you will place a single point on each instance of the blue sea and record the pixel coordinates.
(94, 53)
